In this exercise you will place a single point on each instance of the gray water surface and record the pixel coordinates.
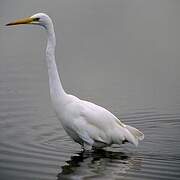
(122, 55)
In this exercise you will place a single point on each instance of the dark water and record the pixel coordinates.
(123, 55)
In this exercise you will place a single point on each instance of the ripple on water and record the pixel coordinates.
(35, 148)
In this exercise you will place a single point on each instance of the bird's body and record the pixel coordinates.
(91, 124)
(86, 123)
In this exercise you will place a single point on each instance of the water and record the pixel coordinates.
(122, 55)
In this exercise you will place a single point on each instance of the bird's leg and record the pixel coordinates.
(83, 148)
(86, 147)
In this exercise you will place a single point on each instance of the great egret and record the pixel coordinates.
(86, 123)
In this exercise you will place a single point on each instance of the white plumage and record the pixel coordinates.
(86, 123)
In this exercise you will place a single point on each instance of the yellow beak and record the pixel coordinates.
(21, 21)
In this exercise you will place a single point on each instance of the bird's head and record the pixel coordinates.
(37, 19)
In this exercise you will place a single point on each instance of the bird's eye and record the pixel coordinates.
(36, 19)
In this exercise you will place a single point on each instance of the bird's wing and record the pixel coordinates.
(95, 123)
(99, 116)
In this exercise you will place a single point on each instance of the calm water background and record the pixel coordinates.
(123, 55)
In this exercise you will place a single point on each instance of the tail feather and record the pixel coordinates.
(135, 132)
(133, 135)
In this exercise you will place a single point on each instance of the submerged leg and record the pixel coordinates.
(86, 147)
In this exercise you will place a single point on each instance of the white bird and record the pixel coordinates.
(86, 123)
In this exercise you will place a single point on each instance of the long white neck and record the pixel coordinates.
(56, 90)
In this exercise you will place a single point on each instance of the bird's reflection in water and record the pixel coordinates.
(99, 164)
